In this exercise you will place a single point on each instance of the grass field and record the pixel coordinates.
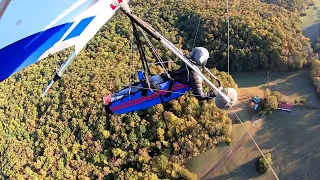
(291, 137)
(205, 161)
(202, 163)
(311, 23)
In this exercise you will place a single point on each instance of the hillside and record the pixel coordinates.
(262, 36)
(67, 134)
(292, 5)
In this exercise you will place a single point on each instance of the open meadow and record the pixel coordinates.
(310, 24)
(291, 137)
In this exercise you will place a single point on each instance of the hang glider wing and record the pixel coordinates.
(34, 29)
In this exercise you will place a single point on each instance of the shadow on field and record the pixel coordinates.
(244, 172)
(292, 85)
(312, 32)
(295, 142)
(293, 136)
(247, 80)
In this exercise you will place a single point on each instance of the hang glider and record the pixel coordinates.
(31, 34)
(74, 26)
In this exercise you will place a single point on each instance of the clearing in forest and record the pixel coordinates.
(291, 137)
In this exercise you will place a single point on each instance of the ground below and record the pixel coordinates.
(291, 137)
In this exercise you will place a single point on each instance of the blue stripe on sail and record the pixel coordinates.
(27, 51)
(20, 54)
(79, 28)
(137, 102)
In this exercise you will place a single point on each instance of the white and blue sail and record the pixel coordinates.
(31, 30)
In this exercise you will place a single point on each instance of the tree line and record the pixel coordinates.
(292, 5)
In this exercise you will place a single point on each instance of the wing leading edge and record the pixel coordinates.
(24, 52)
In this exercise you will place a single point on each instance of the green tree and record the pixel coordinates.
(267, 93)
(262, 165)
(272, 102)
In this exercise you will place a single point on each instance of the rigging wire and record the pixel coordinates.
(228, 20)
(154, 51)
(274, 173)
(228, 29)
(142, 55)
(164, 62)
(131, 65)
(194, 41)
(195, 37)
(141, 51)
(173, 92)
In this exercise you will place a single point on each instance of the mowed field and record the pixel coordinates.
(311, 23)
(204, 162)
(293, 138)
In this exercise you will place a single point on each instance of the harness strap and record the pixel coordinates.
(170, 88)
(144, 84)
(219, 83)
(168, 78)
(140, 48)
(142, 56)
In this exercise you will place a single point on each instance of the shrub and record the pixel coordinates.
(267, 93)
(272, 103)
(228, 140)
(262, 165)
(303, 101)
(311, 4)
(276, 94)
(300, 101)
(303, 14)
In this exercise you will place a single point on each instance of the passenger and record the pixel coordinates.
(155, 80)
